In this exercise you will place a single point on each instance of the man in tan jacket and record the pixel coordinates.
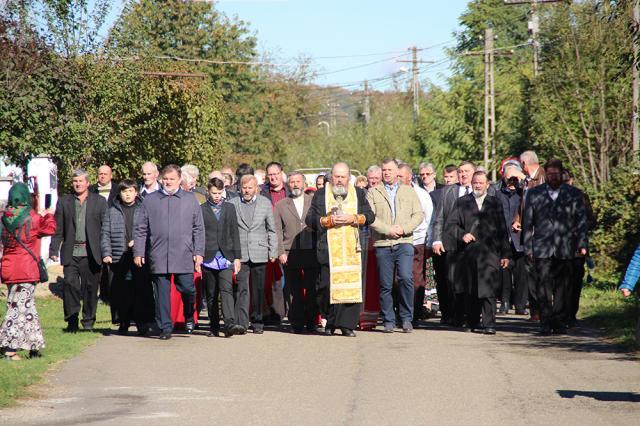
(398, 213)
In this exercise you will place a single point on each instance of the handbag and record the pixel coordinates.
(42, 268)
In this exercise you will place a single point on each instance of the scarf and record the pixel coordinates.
(18, 209)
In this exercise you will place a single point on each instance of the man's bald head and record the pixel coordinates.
(104, 175)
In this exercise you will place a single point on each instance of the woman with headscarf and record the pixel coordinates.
(22, 229)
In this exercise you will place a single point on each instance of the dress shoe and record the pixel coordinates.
(545, 330)
(521, 312)
(298, 330)
(72, 328)
(489, 330)
(388, 328)
(258, 331)
(407, 327)
(143, 329)
(560, 330)
(123, 330)
(189, 326)
(535, 317)
(213, 333)
(329, 331)
(165, 335)
(239, 329)
(347, 332)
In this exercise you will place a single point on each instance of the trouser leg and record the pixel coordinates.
(256, 287)
(545, 290)
(211, 291)
(186, 287)
(71, 296)
(521, 282)
(242, 295)
(90, 281)
(442, 288)
(386, 267)
(225, 288)
(162, 295)
(488, 307)
(404, 261)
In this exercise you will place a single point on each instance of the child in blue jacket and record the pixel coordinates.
(631, 276)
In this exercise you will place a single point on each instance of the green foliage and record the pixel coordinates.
(616, 207)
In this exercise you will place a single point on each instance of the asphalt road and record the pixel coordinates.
(435, 375)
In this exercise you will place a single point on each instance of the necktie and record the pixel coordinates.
(466, 190)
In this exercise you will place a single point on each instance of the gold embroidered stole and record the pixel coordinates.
(345, 262)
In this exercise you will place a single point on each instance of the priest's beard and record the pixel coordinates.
(339, 190)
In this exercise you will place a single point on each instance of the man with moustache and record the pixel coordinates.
(105, 186)
(445, 247)
(297, 254)
(258, 246)
(336, 213)
(555, 232)
(76, 244)
(481, 234)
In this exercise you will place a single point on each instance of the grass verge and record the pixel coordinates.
(16, 376)
(604, 307)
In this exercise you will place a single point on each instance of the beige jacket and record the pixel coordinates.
(409, 214)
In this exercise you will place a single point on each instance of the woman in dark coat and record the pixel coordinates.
(22, 229)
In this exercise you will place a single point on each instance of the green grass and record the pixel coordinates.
(16, 377)
(602, 306)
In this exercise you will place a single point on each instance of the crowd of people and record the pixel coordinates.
(254, 247)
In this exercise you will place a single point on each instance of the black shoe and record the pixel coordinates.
(489, 330)
(72, 325)
(347, 332)
(258, 331)
(88, 326)
(298, 330)
(143, 329)
(35, 354)
(214, 333)
(165, 335)
(560, 330)
(239, 330)
(189, 327)
(545, 330)
(521, 312)
(123, 330)
(329, 331)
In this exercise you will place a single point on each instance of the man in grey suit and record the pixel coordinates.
(259, 245)
(445, 246)
(169, 236)
(555, 232)
(297, 254)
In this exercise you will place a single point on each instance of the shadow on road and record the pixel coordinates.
(601, 396)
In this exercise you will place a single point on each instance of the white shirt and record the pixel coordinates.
(480, 200)
(145, 190)
(553, 193)
(462, 190)
(299, 203)
(423, 231)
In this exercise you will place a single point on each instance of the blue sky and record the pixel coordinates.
(313, 28)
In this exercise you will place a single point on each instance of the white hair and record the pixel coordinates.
(529, 157)
(374, 169)
(191, 170)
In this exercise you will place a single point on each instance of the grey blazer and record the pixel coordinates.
(258, 239)
(554, 229)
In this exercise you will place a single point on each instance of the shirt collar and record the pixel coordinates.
(253, 200)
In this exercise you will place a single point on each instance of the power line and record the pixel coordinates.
(363, 65)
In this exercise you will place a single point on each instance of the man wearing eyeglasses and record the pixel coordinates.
(427, 174)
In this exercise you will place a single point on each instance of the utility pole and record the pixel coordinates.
(489, 104)
(367, 110)
(534, 27)
(415, 85)
(636, 89)
(333, 117)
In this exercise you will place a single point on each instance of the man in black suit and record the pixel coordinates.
(221, 256)
(555, 232)
(79, 223)
(450, 291)
(481, 233)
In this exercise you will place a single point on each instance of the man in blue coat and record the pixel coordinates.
(169, 234)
